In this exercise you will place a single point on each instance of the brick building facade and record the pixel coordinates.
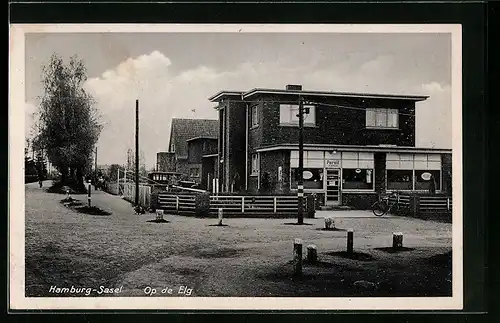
(355, 145)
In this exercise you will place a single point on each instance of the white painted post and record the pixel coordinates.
(220, 216)
(274, 206)
(242, 204)
(213, 186)
(159, 215)
(89, 197)
(448, 203)
(177, 203)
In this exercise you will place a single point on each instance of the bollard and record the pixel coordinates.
(312, 254)
(68, 195)
(350, 241)
(220, 215)
(89, 196)
(297, 257)
(159, 215)
(397, 240)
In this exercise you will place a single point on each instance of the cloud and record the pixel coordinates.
(163, 95)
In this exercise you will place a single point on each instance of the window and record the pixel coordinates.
(289, 114)
(255, 164)
(357, 179)
(413, 171)
(312, 178)
(425, 178)
(255, 116)
(194, 172)
(399, 179)
(382, 118)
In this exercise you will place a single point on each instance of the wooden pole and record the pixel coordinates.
(312, 254)
(350, 241)
(300, 179)
(297, 257)
(136, 152)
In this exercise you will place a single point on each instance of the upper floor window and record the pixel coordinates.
(255, 164)
(255, 116)
(382, 118)
(289, 114)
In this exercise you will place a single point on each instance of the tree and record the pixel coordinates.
(69, 122)
(113, 172)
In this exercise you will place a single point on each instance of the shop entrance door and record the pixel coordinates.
(332, 195)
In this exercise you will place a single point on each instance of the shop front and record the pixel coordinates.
(339, 177)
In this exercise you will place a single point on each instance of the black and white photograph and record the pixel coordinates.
(235, 167)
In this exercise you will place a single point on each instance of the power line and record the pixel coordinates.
(319, 103)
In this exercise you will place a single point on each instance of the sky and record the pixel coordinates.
(173, 74)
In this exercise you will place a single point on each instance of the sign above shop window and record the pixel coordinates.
(307, 174)
(426, 176)
(331, 163)
(358, 171)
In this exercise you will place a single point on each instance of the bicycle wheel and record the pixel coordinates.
(379, 208)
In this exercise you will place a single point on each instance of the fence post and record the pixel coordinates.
(274, 205)
(242, 204)
(89, 193)
(220, 216)
(177, 203)
(448, 203)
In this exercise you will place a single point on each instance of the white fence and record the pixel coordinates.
(128, 192)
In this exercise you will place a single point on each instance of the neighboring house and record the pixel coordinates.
(355, 145)
(165, 161)
(184, 129)
(202, 153)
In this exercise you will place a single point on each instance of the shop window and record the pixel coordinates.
(357, 179)
(194, 172)
(399, 179)
(424, 179)
(312, 178)
(289, 114)
(382, 118)
(255, 164)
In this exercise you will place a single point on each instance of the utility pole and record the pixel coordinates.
(95, 151)
(136, 152)
(300, 176)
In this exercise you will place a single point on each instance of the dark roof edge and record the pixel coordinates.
(340, 94)
(222, 93)
(352, 147)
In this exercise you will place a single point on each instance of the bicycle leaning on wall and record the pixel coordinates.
(385, 205)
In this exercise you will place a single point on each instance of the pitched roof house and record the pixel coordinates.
(183, 130)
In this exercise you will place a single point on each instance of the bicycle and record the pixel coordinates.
(384, 205)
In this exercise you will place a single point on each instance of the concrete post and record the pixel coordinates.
(220, 216)
(297, 257)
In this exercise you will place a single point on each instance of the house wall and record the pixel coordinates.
(446, 162)
(165, 162)
(333, 125)
(269, 162)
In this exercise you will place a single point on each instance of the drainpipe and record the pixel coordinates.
(246, 143)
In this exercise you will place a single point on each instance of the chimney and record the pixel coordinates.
(294, 87)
